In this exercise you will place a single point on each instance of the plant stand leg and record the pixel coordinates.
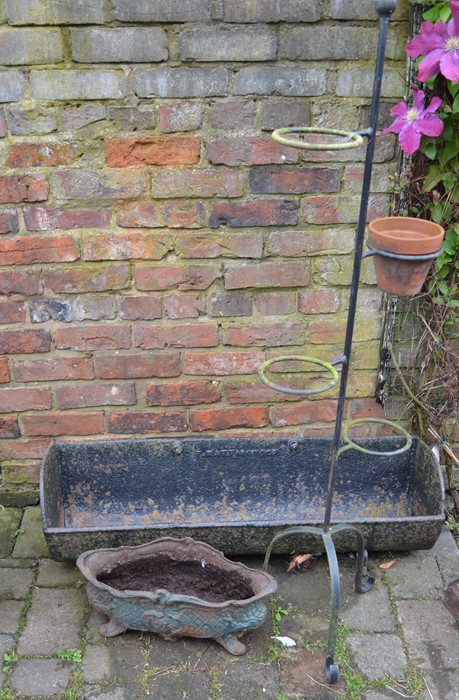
(232, 644)
(111, 629)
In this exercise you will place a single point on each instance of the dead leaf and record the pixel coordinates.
(385, 565)
(298, 559)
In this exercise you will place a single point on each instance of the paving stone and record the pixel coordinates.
(192, 686)
(446, 553)
(123, 662)
(443, 685)
(380, 695)
(377, 655)
(17, 563)
(415, 577)
(52, 574)
(182, 651)
(431, 633)
(10, 519)
(6, 643)
(111, 693)
(10, 614)
(303, 675)
(15, 583)
(32, 543)
(370, 612)
(32, 677)
(96, 664)
(242, 679)
(54, 622)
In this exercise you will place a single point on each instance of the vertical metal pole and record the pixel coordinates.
(384, 9)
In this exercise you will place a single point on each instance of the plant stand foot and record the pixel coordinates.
(111, 629)
(232, 644)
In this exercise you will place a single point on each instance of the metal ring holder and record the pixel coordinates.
(294, 137)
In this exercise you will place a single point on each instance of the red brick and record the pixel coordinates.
(23, 188)
(23, 449)
(97, 184)
(138, 365)
(289, 274)
(39, 218)
(225, 418)
(222, 363)
(259, 212)
(4, 371)
(92, 277)
(12, 312)
(211, 182)
(9, 427)
(215, 245)
(366, 408)
(53, 369)
(147, 422)
(181, 116)
(233, 115)
(293, 180)
(24, 342)
(28, 250)
(298, 243)
(88, 338)
(82, 396)
(184, 305)
(140, 308)
(307, 412)
(24, 399)
(275, 303)
(185, 393)
(25, 155)
(198, 335)
(25, 282)
(169, 214)
(9, 222)
(63, 424)
(128, 245)
(152, 150)
(154, 279)
(264, 334)
(256, 392)
(250, 150)
(342, 209)
(318, 301)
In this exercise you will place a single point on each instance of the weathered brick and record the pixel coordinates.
(83, 396)
(186, 277)
(132, 118)
(289, 82)
(184, 393)
(233, 115)
(53, 369)
(23, 188)
(306, 412)
(3, 125)
(216, 245)
(12, 86)
(271, 11)
(25, 282)
(194, 182)
(88, 338)
(227, 45)
(170, 214)
(22, 47)
(77, 84)
(40, 218)
(253, 150)
(21, 473)
(184, 116)
(82, 115)
(9, 221)
(202, 335)
(94, 307)
(40, 120)
(341, 209)
(24, 399)
(119, 45)
(293, 180)
(299, 243)
(181, 82)
(42, 310)
(27, 250)
(97, 184)
(222, 363)
(275, 303)
(92, 277)
(318, 301)
(380, 181)
(337, 271)
(256, 392)
(184, 305)
(282, 113)
(330, 330)
(162, 10)
(9, 428)
(138, 365)
(25, 155)
(228, 417)
(24, 342)
(140, 308)
(366, 408)
(359, 82)
(23, 449)
(258, 212)
(290, 274)
(230, 304)
(35, 12)
(54, 424)
(360, 9)
(4, 371)
(147, 422)
(12, 312)
(263, 334)
(339, 43)
(128, 245)
(152, 150)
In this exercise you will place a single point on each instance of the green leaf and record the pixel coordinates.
(430, 150)
(431, 181)
(455, 107)
(453, 88)
(443, 288)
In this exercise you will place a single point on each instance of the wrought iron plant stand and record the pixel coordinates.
(342, 441)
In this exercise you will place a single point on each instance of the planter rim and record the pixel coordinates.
(386, 233)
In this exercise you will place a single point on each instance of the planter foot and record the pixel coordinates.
(232, 644)
(111, 629)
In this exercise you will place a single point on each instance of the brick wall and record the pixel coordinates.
(156, 245)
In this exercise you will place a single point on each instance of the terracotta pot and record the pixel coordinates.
(403, 236)
(176, 588)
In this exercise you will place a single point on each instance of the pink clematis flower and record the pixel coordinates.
(439, 44)
(412, 122)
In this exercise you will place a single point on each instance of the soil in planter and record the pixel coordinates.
(206, 582)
